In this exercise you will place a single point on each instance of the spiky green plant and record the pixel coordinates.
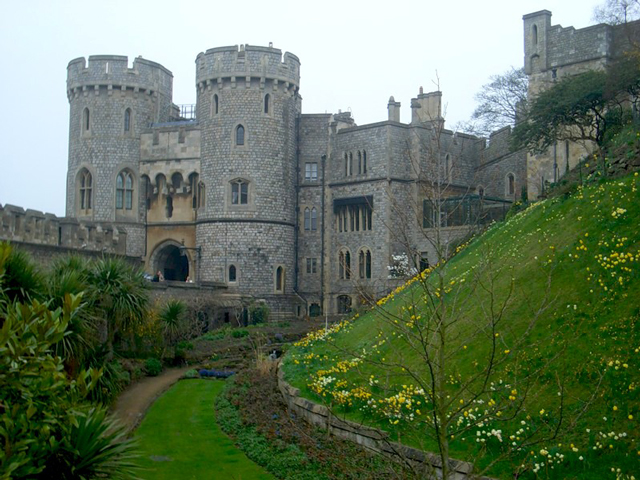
(98, 447)
(117, 295)
(172, 315)
(21, 280)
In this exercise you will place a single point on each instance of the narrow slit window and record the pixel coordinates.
(127, 120)
(86, 120)
(240, 135)
(267, 100)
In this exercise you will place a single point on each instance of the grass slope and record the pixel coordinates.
(564, 401)
(180, 438)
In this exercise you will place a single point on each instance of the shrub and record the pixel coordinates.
(48, 429)
(153, 366)
(193, 373)
(184, 345)
(259, 313)
(239, 333)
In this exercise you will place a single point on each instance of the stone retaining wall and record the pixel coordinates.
(370, 438)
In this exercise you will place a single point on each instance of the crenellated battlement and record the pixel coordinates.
(113, 72)
(239, 64)
(35, 227)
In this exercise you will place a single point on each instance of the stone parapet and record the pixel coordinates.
(241, 63)
(34, 227)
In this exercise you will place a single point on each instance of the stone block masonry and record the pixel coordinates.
(370, 438)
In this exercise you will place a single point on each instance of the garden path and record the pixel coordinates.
(133, 403)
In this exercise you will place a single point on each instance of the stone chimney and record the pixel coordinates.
(394, 110)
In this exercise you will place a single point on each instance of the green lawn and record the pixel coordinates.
(583, 254)
(180, 439)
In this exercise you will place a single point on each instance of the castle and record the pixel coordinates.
(245, 193)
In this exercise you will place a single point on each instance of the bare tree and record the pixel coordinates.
(501, 102)
(616, 12)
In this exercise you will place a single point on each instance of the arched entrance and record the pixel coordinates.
(173, 263)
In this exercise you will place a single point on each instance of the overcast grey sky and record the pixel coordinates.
(354, 55)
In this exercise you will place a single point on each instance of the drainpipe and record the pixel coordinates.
(323, 159)
(296, 270)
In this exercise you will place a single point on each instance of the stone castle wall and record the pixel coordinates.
(45, 236)
(551, 52)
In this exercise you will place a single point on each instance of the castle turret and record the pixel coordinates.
(110, 104)
(247, 107)
(536, 27)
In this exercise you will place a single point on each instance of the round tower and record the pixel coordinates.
(247, 107)
(110, 105)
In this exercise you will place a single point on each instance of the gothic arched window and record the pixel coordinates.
(85, 189)
(239, 135)
(344, 264)
(124, 191)
(364, 263)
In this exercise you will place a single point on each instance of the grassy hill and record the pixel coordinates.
(525, 346)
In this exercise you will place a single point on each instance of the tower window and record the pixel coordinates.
(127, 120)
(124, 191)
(85, 190)
(314, 219)
(534, 34)
(239, 192)
(350, 163)
(359, 163)
(267, 100)
(364, 161)
(216, 104)
(232, 274)
(239, 135)
(86, 121)
(280, 279)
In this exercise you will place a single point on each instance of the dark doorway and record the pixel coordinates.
(315, 310)
(173, 264)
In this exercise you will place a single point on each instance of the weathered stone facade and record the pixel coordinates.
(303, 211)
(551, 52)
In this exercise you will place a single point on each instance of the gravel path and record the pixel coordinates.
(132, 404)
